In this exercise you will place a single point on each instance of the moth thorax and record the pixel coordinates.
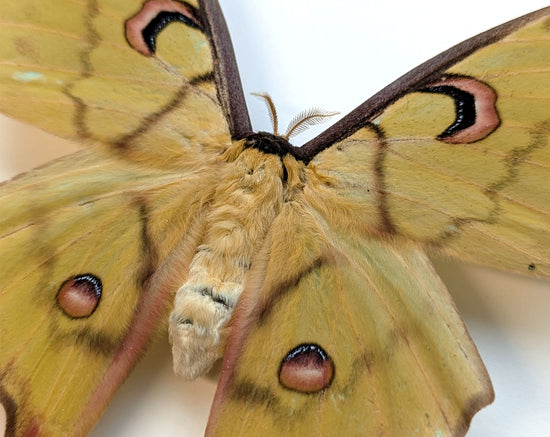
(268, 143)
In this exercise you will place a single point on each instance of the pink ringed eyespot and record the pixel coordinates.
(142, 29)
(475, 107)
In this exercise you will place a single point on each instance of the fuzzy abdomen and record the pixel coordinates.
(247, 199)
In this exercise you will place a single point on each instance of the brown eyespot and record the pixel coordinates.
(79, 295)
(306, 368)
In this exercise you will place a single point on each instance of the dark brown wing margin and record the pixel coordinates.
(228, 81)
(413, 80)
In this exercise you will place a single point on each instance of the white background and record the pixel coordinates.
(334, 55)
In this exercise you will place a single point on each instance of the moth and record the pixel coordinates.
(331, 248)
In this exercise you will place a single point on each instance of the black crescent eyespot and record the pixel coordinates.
(476, 115)
(144, 27)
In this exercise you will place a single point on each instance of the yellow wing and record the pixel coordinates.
(346, 337)
(461, 165)
(92, 251)
(94, 246)
(112, 71)
(346, 329)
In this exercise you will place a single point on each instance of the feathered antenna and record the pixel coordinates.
(299, 123)
(305, 119)
(271, 110)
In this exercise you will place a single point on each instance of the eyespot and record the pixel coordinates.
(475, 106)
(306, 368)
(79, 295)
(142, 29)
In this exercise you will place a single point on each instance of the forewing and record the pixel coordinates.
(473, 182)
(145, 77)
